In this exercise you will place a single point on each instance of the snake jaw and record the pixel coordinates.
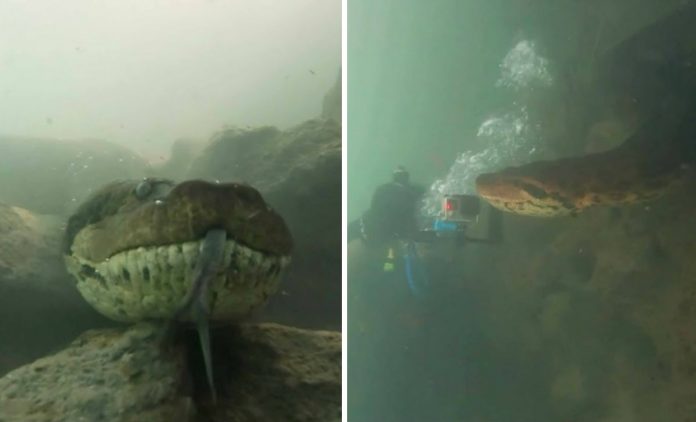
(151, 282)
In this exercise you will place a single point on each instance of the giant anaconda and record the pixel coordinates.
(193, 251)
(642, 169)
(652, 69)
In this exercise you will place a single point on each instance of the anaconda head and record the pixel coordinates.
(133, 245)
(568, 186)
(516, 190)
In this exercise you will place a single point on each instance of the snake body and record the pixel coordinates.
(640, 170)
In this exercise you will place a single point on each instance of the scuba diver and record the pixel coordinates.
(392, 223)
(392, 214)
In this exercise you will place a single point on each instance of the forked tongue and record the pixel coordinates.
(210, 260)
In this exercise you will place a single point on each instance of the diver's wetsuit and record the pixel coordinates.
(392, 215)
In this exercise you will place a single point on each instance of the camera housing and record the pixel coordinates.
(465, 218)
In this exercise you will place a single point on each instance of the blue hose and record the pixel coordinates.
(415, 272)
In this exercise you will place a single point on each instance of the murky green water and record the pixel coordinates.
(568, 319)
(114, 110)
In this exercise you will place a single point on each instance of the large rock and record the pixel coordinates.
(298, 172)
(279, 373)
(265, 373)
(182, 153)
(52, 177)
(28, 245)
(110, 375)
(331, 106)
(631, 298)
(268, 158)
(39, 305)
(614, 64)
(606, 301)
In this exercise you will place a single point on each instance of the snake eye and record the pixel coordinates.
(143, 189)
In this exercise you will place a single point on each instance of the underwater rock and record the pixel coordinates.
(298, 172)
(52, 177)
(109, 375)
(331, 106)
(279, 373)
(615, 308)
(608, 68)
(269, 372)
(267, 158)
(606, 135)
(39, 306)
(28, 243)
(182, 153)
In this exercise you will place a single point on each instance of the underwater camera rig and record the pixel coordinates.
(464, 218)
